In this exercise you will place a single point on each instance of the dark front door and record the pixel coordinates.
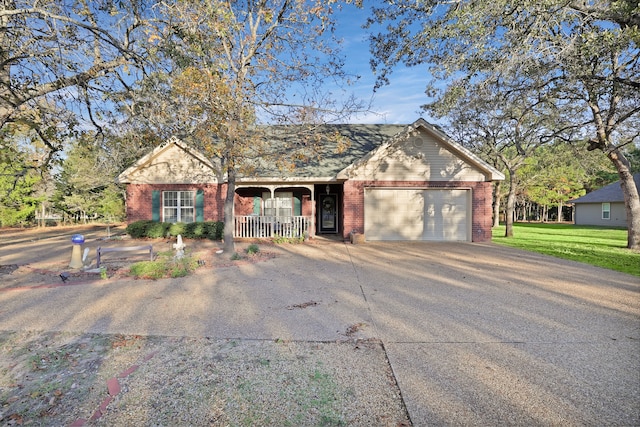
(328, 213)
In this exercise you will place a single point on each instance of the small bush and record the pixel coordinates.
(214, 230)
(177, 228)
(253, 249)
(236, 256)
(138, 229)
(195, 230)
(158, 230)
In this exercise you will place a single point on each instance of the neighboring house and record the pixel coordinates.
(604, 206)
(393, 182)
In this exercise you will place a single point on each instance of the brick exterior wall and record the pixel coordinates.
(243, 202)
(481, 200)
(353, 208)
(139, 196)
(307, 205)
(139, 202)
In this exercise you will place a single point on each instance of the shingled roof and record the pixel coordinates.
(610, 193)
(355, 142)
(362, 139)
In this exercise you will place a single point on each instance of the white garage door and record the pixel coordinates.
(402, 214)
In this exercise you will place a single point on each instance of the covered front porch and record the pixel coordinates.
(287, 210)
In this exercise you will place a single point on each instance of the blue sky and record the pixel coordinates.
(397, 103)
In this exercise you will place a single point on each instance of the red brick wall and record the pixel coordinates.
(139, 199)
(353, 207)
(139, 202)
(137, 208)
(481, 206)
(481, 218)
(307, 205)
(243, 204)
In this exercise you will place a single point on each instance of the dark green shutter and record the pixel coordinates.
(200, 206)
(297, 204)
(256, 205)
(155, 205)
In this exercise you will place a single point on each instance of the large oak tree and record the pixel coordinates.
(580, 53)
(225, 69)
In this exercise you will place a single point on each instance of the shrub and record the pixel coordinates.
(253, 249)
(195, 230)
(158, 229)
(138, 229)
(214, 230)
(177, 228)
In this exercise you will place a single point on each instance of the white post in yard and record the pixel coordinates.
(179, 247)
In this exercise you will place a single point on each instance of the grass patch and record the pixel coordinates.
(166, 266)
(279, 240)
(602, 247)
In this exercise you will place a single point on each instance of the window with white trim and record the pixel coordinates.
(606, 211)
(178, 206)
(279, 206)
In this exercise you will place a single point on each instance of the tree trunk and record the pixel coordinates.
(631, 198)
(229, 245)
(559, 219)
(496, 203)
(511, 203)
(5, 68)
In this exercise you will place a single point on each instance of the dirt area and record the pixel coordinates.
(75, 379)
(91, 379)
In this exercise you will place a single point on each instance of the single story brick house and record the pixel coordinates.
(604, 206)
(392, 182)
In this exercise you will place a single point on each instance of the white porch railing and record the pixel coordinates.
(256, 226)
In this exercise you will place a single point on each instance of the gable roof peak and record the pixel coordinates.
(144, 161)
(411, 130)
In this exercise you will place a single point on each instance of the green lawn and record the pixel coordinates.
(603, 247)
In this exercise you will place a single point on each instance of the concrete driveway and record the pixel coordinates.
(476, 334)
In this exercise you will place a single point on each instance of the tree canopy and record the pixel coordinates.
(583, 56)
(58, 57)
(223, 68)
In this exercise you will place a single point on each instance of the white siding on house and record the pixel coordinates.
(419, 158)
(591, 214)
(172, 165)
